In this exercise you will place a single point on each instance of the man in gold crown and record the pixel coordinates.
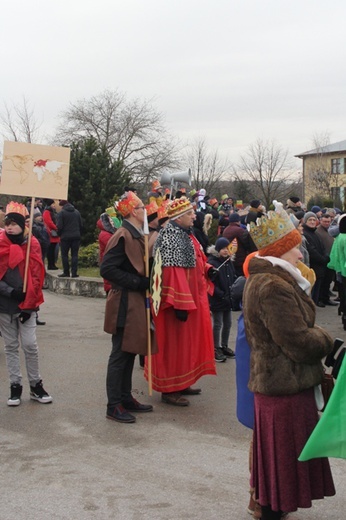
(183, 325)
(287, 349)
(125, 316)
(18, 307)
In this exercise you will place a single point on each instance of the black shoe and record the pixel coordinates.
(75, 276)
(330, 302)
(119, 414)
(39, 322)
(38, 393)
(228, 352)
(320, 304)
(135, 406)
(16, 393)
(53, 268)
(219, 356)
(64, 275)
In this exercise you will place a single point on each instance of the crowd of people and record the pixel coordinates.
(169, 286)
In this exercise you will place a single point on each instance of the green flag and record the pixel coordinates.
(329, 436)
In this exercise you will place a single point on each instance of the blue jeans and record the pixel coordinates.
(222, 321)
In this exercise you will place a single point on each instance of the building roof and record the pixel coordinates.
(330, 148)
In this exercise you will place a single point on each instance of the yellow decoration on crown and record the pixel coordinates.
(16, 207)
(270, 228)
(178, 206)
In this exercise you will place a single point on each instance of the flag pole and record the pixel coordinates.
(147, 300)
(27, 257)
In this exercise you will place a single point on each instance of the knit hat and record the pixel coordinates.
(17, 213)
(315, 209)
(274, 234)
(308, 215)
(221, 243)
(63, 202)
(294, 199)
(49, 202)
(234, 217)
(255, 203)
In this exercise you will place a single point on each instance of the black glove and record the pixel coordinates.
(24, 316)
(181, 315)
(213, 274)
(144, 283)
(18, 295)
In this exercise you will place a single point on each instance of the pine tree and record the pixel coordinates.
(95, 180)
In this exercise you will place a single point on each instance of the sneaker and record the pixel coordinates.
(119, 414)
(16, 393)
(219, 356)
(38, 393)
(228, 352)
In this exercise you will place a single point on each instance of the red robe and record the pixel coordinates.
(186, 349)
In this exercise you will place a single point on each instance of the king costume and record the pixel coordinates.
(185, 348)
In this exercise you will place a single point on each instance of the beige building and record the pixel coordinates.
(324, 172)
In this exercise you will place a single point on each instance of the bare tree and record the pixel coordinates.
(132, 132)
(266, 165)
(19, 123)
(208, 169)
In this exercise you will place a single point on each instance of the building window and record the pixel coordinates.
(338, 165)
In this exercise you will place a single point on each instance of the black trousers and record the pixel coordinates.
(67, 244)
(119, 372)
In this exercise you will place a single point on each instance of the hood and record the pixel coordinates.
(67, 207)
(212, 251)
(105, 223)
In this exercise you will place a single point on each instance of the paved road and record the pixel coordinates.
(66, 461)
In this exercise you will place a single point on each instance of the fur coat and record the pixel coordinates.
(286, 345)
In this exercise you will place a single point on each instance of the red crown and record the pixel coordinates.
(126, 205)
(151, 208)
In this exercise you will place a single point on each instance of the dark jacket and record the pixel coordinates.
(245, 244)
(69, 222)
(222, 298)
(286, 345)
(317, 255)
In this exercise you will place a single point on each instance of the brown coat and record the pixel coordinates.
(125, 305)
(286, 345)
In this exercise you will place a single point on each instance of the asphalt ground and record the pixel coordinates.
(66, 461)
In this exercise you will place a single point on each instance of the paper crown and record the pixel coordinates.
(271, 228)
(16, 207)
(156, 185)
(162, 211)
(177, 207)
(224, 197)
(151, 208)
(212, 202)
(129, 203)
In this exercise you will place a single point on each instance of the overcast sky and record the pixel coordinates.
(231, 71)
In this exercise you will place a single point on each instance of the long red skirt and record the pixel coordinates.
(283, 424)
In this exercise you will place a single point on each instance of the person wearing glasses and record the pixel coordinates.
(125, 316)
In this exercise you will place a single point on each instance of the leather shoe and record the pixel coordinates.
(175, 398)
(135, 406)
(191, 391)
(53, 268)
(119, 414)
(330, 302)
(320, 304)
(63, 275)
(39, 322)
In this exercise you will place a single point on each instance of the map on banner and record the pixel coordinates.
(35, 170)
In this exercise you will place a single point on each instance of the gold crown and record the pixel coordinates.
(268, 229)
(16, 207)
(178, 206)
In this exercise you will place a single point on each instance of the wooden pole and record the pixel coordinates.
(28, 245)
(147, 302)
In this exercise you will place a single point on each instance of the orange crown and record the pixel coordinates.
(16, 207)
(177, 207)
(151, 208)
(126, 205)
(156, 185)
(162, 211)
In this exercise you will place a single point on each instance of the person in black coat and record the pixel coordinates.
(70, 227)
(318, 257)
(221, 301)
